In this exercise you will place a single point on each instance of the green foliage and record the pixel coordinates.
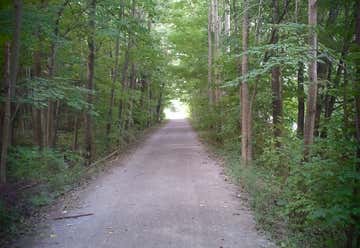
(320, 193)
(55, 168)
(42, 90)
(313, 203)
(301, 204)
(52, 172)
(8, 220)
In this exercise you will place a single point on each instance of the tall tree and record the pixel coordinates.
(114, 74)
(89, 145)
(6, 127)
(53, 106)
(312, 91)
(10, 78)
(210, 52)
(227, 23)
(246, 116)
(276, 77)
(301, 100)
(353, 236)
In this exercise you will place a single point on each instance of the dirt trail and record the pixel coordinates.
(168, 194)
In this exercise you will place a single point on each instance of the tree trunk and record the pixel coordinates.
(227, 23)
(352, 233)
(324, 75)
(6, 127)
(330, 99)
(114, 76)
(210, 52)
(149, 105)
(13, 69)
(312, 91)
(123, 102)
(132, 87)
(51, 123)
(89, 146)
(159, 104)
(276, 81)
(236, 33)
(37, 123)
(246, 146)
(346, 107)
(76, 133)
(301, 100)
(15, 48)
(112, 91)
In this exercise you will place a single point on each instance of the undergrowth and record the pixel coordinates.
(37, 178)
(301, 204)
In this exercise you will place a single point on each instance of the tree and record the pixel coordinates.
(210, 52)
(7, 115)
(276, 78)
(89, 145)
(10, 77)
(246, 117)
(301, 100)
(114, 76)
(309, 127)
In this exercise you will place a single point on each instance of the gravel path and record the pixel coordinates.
(167, 194)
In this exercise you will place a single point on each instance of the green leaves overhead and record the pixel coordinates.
(39, 91)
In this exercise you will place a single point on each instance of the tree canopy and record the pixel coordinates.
(273, 85)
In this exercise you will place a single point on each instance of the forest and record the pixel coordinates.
(272, 86)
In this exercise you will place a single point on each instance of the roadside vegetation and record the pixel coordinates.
(274, 86)
(276, 93)
(79, 80)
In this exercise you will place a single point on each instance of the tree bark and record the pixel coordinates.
(6, 127)
(123, 98)
(246, 146)
(216, 52)
(227, 23)
(346, 107)
(14, 56)
(330, 99)
(89, 146)
(210, 52)
(276, 81)
(76, 133)
(112, 91)
(159, 104)
(312, 91)
(37, 123)
(323, 74)
(301, 100)
(51, 122)
(14, 64)
(352, 232)
(15, 46)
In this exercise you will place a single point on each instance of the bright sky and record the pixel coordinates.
(176, 110)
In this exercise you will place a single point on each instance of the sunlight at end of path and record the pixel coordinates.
(176, 110)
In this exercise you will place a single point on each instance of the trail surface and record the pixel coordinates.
(167, 194)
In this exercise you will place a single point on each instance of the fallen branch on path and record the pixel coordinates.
(72, 216)
(104, 158)
(31, 185)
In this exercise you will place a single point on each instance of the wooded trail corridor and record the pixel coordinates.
(271, 88)
(169, 193)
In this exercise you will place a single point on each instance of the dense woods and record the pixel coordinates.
(274, 86)
(80, 79)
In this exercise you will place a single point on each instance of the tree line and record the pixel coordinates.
(78, 76)
(276, 85)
